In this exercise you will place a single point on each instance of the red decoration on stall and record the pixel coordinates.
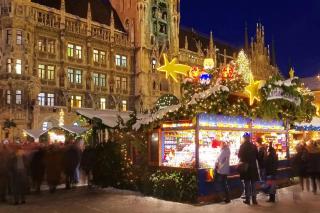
(215, 143)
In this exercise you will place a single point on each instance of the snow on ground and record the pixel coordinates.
(109, 200)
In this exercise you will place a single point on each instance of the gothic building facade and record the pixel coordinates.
(102, 54)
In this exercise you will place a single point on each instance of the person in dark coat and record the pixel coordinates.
(37, 168)
(72, 158)
(4, 158)
(271, 166)
(299, 165)
(313, 164)
(248, 155)
(262, 150)
(53, 164)
(19, 179)
(87, 163)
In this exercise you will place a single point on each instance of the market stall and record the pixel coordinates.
(196, 144)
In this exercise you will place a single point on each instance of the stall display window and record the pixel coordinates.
(178, 148)
(278, 141)
(209, 146)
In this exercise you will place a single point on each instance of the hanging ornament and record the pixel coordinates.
(208, 64)
(253, 91)
(194, 73)
(205, 78)
(172, 69)
(291, 73)
(227, 72)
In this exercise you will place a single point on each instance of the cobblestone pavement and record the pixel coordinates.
(290, 200)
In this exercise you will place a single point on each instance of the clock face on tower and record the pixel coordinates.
(160, 18)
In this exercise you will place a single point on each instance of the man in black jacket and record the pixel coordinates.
(248, 155)
(271, 165)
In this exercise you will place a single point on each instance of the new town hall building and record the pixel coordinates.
(101, 54)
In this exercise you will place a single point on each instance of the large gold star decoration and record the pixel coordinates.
(172, 68)
(253, 91)
(317, 105)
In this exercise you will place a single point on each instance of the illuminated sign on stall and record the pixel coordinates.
(176, 125)
(207, 120)
(268, 125)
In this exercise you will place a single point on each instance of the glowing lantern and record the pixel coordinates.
(208, 64)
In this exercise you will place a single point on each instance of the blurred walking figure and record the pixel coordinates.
(223, 170)
(87, 163)
(271, 166)
(300, 165)
(313, 163)
(72, 158)
(53, 164)
(18, 171)
(4, 158)
(248, 169)
(37, 168)
(262, 151)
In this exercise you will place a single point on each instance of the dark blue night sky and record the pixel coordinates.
(294, 24)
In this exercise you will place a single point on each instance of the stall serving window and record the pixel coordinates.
(178, 148)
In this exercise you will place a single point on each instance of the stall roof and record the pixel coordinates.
(109, 117)
(35, 133)
(314, 123)
(75, 129)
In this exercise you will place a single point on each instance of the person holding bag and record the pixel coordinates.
(223, 170)
(248, 169)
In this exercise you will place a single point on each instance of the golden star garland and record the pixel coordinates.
(253, 91)
(172, 68)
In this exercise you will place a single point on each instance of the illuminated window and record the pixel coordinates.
(78, 76)
(76, 101)
(41, 45)
(8, 97)
(18, 97)
(70, 50)
(96, 79)
(41, 71)
(103, 57)
(42, 99)
(50, 99)
(118, 60)
(9, 36)
(51, 72)
(95, 55)
(102, 80)
(71, 75)
(19, 37)
(18, 66)
(102, 103)
(51, 46)
(124, 105)
(9, 65)
(118, 83)
(154, 64)
(124, 85)
(78, 52)
(124, 61)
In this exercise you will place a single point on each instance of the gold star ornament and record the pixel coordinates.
(172, 69)
(253, 91)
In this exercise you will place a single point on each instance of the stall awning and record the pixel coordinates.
(313, 125)
(108, 117)
(75, 129)
(35, 133)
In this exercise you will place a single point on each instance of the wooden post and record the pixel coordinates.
(197, 141)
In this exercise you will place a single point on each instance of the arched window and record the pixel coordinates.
(164, 86)
(154, 86)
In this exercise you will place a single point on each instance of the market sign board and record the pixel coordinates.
(222, 121)
(279, 93)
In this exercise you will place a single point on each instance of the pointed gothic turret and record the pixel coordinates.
(63, 14)
(186, 43)
(246, 39)
(211, 51)
(63, 5)
(89, 16)
(112, 26)
(273, 53)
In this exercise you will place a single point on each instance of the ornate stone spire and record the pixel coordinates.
(211, 51)
(89, 16)
(273, 53)
(63, 5)
(186, 43)
(246, 38)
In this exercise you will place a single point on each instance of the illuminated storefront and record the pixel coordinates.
(196, 144)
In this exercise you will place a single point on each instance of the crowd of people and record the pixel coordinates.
(25, 168)
(259, 164)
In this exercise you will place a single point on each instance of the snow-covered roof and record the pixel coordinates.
(75, 129)
(314, 123)
(109, 117)
(149, 118)
(35, 133)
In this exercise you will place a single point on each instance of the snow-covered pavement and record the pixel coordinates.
(290, 200)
